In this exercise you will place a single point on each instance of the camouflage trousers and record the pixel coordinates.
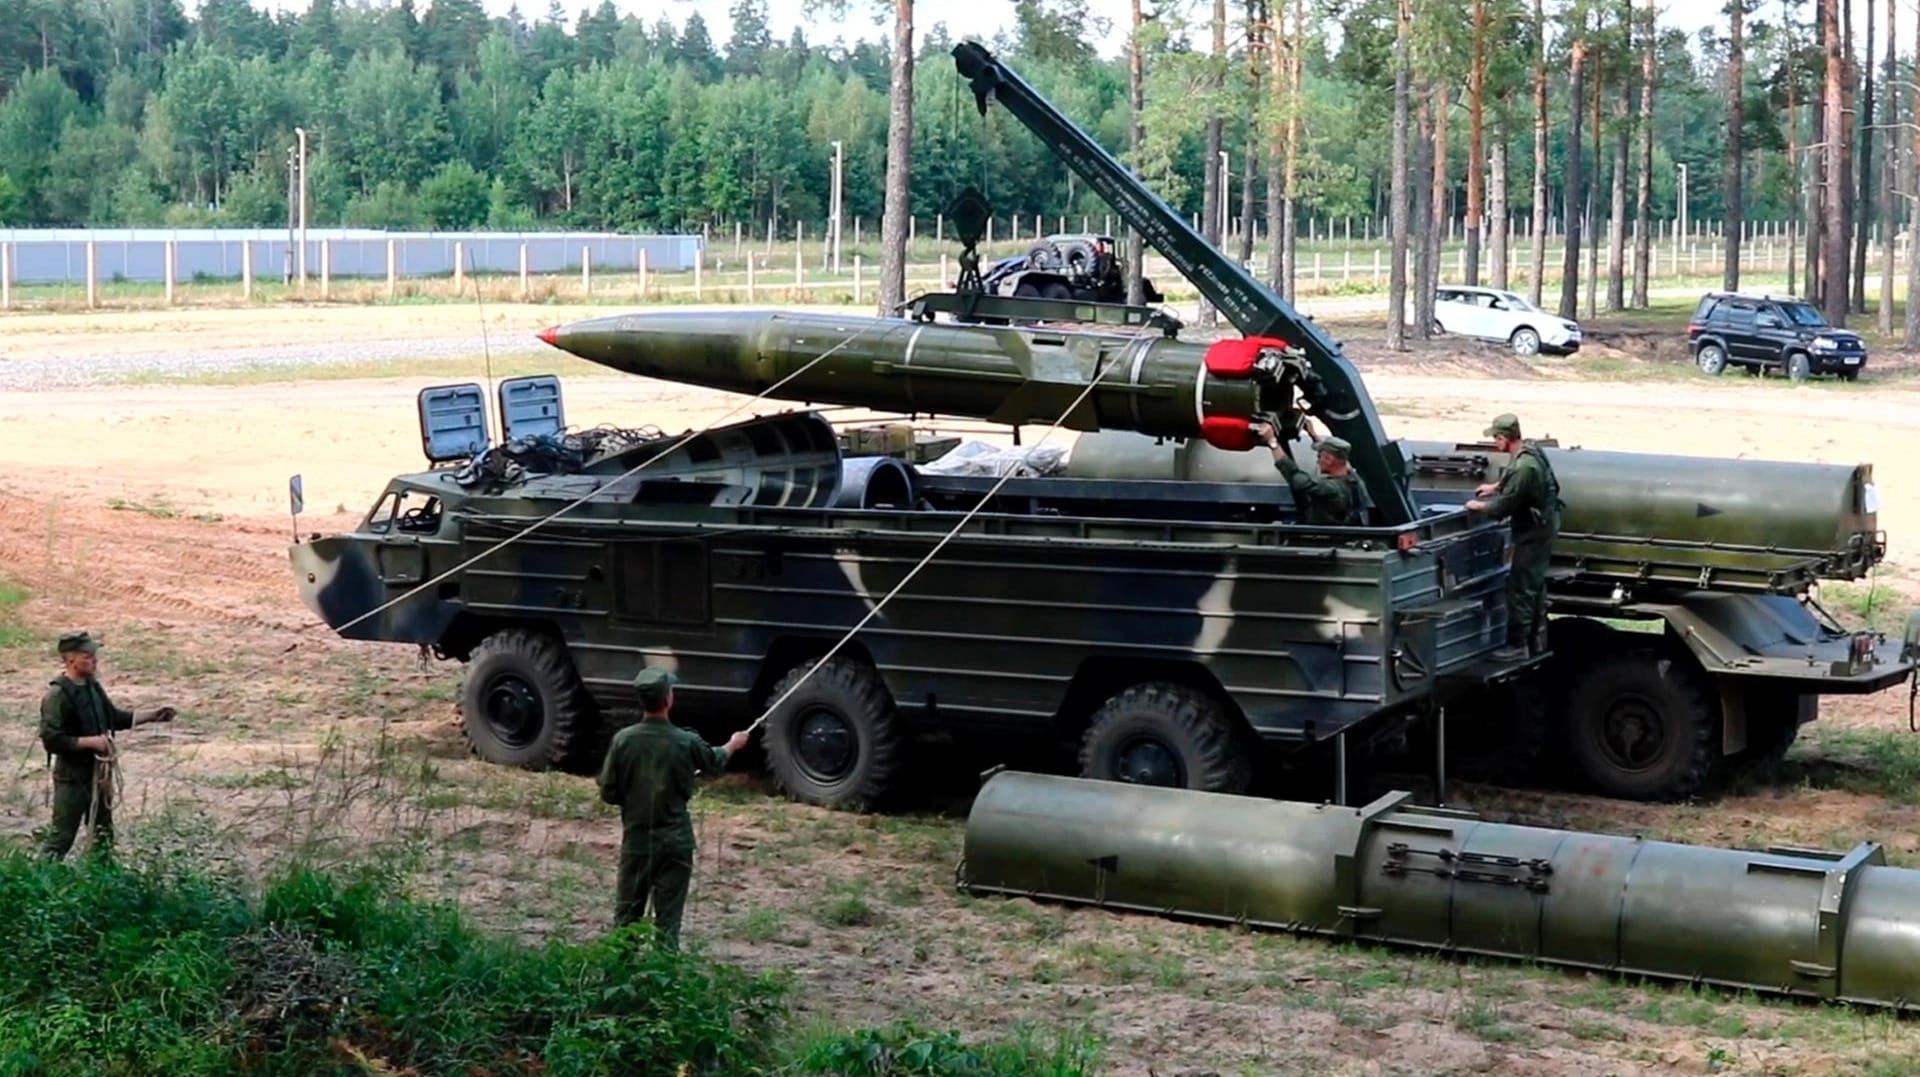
(70, 801)
(662, 875)
(1527, 592)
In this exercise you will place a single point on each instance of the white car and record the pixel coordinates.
(1493, 314)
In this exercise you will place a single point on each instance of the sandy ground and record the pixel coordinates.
(157, 516)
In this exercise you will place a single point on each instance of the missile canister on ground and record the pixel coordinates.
(1007, 375)
(1639, 517)
(1807, 924)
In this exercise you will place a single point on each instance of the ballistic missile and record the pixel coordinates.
(1017, 376)
(1692, 521)
(1830, 926)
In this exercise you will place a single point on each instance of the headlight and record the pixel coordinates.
(1822, 344)
(1571, 328)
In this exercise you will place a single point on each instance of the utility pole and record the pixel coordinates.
(1226, 177)
(301, 134)
(834, 197)
(293, 177)
(1681, 239)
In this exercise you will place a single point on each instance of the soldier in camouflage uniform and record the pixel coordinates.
(77, 721)
(1528, 494)
(649, 773)
(1329, 499)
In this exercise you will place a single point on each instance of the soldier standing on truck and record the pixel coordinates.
(1329, 499)
(649, 773)
(77, 722)
(1528, 494)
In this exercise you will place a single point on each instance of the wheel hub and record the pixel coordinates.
(825, 745)
(513, 710)
(1633, 734)
(1145, 761)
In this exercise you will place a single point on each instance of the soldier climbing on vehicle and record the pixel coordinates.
(1529, 495)
(1330, 498)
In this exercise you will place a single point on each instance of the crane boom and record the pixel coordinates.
(1335, 394)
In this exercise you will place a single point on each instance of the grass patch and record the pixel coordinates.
(1869, 606)
(1860, 761)
(906, 1050)
(13, 631)
(846, 905)
(161, 509)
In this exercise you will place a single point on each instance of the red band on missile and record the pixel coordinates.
(1234, 359)
(1227, 432)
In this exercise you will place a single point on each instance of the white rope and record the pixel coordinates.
(591, 494)
(1092, 383)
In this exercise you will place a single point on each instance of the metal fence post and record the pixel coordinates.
(640, 262)
(6, 276)
(246, 269)
(393, 269)
(459, 266)
(93, 275)
(856, 278)
(169, 256)
(526, 290)
(586, 270)
(326, 269)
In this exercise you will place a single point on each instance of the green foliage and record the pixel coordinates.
(13, 633)
(605, 119)
(455, 198)
(906, 1050)
(163, 969)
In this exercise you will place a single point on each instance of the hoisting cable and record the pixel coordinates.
(1092, 383)
(591, 494)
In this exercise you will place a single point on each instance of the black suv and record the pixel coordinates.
(1764, 332)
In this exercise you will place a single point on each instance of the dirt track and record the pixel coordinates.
(156, 516)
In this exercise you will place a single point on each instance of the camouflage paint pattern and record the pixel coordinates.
(1833, 927)
(730, 564)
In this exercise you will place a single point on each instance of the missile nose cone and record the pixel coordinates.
(550, 335)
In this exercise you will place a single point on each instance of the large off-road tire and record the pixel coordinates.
(836, 741)
(522, 703)
(1640, 726)
(1711, 359)
(1169, 735)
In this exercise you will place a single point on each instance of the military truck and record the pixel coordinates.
(1164, 631)
(1081, 267)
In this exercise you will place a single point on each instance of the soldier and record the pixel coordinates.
(649, 773)
(77, 722)
(1528, 494)
(1327, 499)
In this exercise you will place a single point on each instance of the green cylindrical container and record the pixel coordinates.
(1805, 924)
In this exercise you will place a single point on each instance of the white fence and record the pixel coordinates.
(157, 255)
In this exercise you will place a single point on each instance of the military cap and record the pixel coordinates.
(1507, 425)
(79, 640)
(1334, 444)
(653, 683)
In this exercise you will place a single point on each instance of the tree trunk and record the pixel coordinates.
(1423, 216)
(1277, 44)
(1643, 196)
(1860, 169)
(1211, 175)
(1250, 153)
(1576, 181)
(1736, 161)
(1592, 228)
(1889, 180)
(1833, 267)
(1296, 130)
(1617, 215)
(1793, 153)
(1537, 268)
(893, 220)
(1136, 134)
(1912, 341)
(1497, 209)
(1476, 142)
(1439, 216)
(1397, 211)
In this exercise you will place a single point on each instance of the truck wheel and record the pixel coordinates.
(1712, 359)
(1799, 367)
(836, 741)
(1166, 734)
(522, 703)
(1639, 728)
(1056, 290)
(1525, 341)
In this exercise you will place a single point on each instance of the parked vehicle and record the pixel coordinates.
(1764, 332)
(1496, 314)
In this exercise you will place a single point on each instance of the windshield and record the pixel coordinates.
(1514, 302)
(1802, 314)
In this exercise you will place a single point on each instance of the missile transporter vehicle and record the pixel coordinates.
(1686, 638)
